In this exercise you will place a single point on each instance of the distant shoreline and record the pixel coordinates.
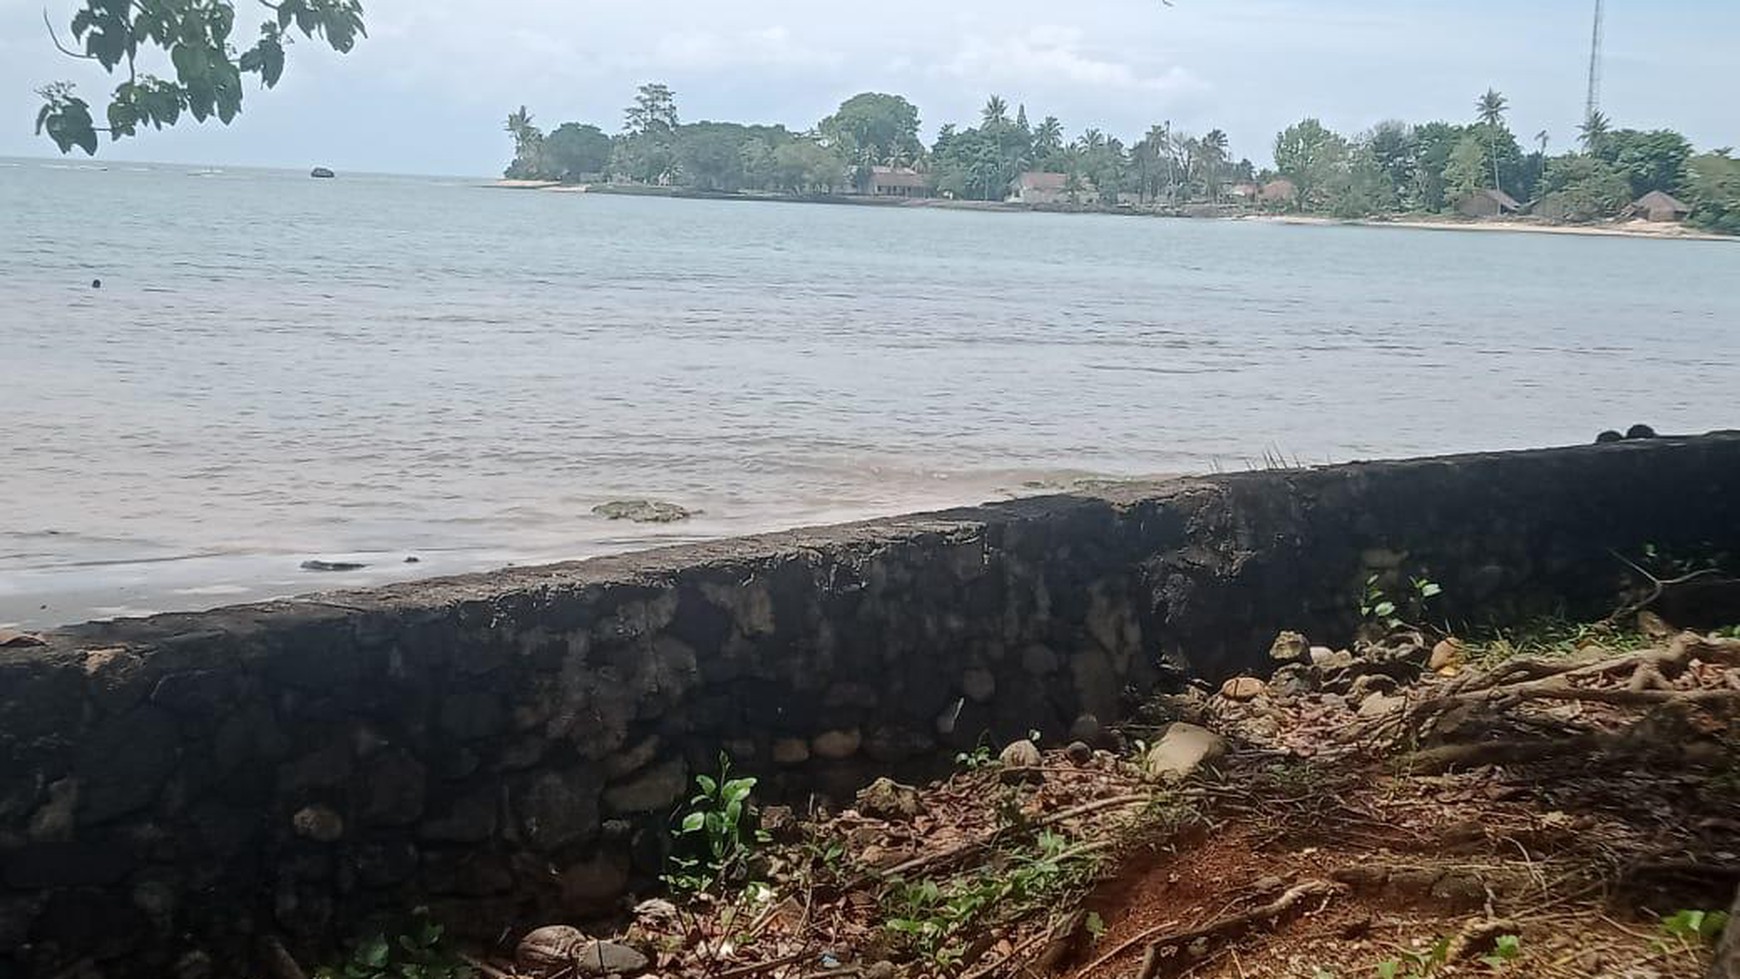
(1421, 222)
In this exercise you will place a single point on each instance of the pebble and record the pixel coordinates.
(1079, 752)
(1242, 688)
(1446, 654)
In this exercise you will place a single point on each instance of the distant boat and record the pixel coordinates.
(322, 173)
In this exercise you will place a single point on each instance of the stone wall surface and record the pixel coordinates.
(506, 748)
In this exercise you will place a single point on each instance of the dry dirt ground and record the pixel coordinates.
(1565, 806)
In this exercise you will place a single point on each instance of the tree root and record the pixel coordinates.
(1158, 942)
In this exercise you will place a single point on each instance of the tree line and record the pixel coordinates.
(1394, 168)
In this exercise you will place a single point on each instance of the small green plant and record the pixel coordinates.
(1419, 962)
(716, 833)
(981, 757)
(1691, 929)
(1505, 949)
(420, 953)
(1377, 606)
(938, 921)
(1095, 925)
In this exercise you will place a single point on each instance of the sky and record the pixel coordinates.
(428, 91)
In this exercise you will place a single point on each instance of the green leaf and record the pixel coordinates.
(1385, 609)
(708, 786)
(373, 952)
(693, 822)
(1389, 969)
(738, 790)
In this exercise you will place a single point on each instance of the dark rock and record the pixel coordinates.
(473, 715)
(1608, 436)
(384, 864)
(643, 511)
(836, 745)
(651, 790)
(392, 790)
(1087, 728)
(593, 886)
(318, 823)
(317, 564)
(1293, 680)
(888, 799)
(608, 959)
(328, 766)
(979, 685)
(1079, 752)
(467, 819)
(125, 762)
(556, 808)
(1640, 432)
(39, 866)
(16, 915)
(469, 873)
(13, 639)
(631, 760)
(56, 818)
(889, 744)
(95, 924)
(200, 692)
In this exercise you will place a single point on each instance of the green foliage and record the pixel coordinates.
(1551, 638)
(873, 128)
(196, 38)
(980, 757)
(575, 150)
(1419, 963)
(420, 953)
(1654, 160)
(1505, 949)
(1694, 929)
(716, 833)
(1376, 605)
(1713, 186)
(1583, 188)
(1311, 156)
(938, 921)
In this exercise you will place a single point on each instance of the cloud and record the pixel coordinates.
(767, 47)
(1049, 56)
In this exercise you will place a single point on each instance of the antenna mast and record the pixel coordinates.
(1593, 104)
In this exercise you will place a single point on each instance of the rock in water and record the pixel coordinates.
(642, 511)
(1182, 750)
(319, 565)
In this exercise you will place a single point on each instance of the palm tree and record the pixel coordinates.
(1491, 108)
(519, 123)
(1593, 131)
(1048, 138)
(995, 110)
(1212, 150)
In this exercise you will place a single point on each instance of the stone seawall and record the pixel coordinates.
(505, 748)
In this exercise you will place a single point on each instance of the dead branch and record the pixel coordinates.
(1274, 909)
(959, 850)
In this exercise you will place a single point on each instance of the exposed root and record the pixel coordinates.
(1158, 942)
